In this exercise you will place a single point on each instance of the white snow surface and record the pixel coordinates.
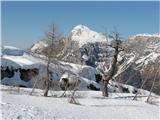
(84, 35)
(85, 57)
(91, 106)
(15, 57)
(10, 50)
(151, 57)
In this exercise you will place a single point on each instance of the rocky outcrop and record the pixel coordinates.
(25, 74)
(6, 72)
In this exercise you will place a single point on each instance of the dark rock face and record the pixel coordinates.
(6, 73)
(98, 78)
(23, 86)
(26, 75)
(95, 52)
(92, 87)
(134, 91)
(125, 90)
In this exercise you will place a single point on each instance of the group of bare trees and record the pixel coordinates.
(56, 44)
(150, 81)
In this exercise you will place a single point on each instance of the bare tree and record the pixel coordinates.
(112, 70)
(48, 51)
(153, 83)
(55, 46)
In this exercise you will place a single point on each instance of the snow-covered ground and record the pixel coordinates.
(91, 106)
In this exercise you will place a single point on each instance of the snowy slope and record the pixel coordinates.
(12, 56)
(146, 48)
(10, 50)
(39, 46)
(92, 106)
(149, 58)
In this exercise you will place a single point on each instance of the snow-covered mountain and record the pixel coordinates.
(146, 49)
(83, 35)
(141, 59)
(142, 51)
(84, 46)
(39, 46)
(88, 47)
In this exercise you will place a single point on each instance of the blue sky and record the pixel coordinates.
(24, 23)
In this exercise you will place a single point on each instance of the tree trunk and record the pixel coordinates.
(46, 90)
(47, 80)
(112, 69)
(105, 88)
(109, 76)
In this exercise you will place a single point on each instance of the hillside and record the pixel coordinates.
(141, 52)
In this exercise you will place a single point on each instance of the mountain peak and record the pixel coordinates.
(80, 27)
(84, 35)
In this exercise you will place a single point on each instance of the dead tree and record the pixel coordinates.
(69, 83)
(76, 87)
(36, 80)
(153, 84)
(55, 46)
(47, 79)
(143, 83)
(112, 70)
